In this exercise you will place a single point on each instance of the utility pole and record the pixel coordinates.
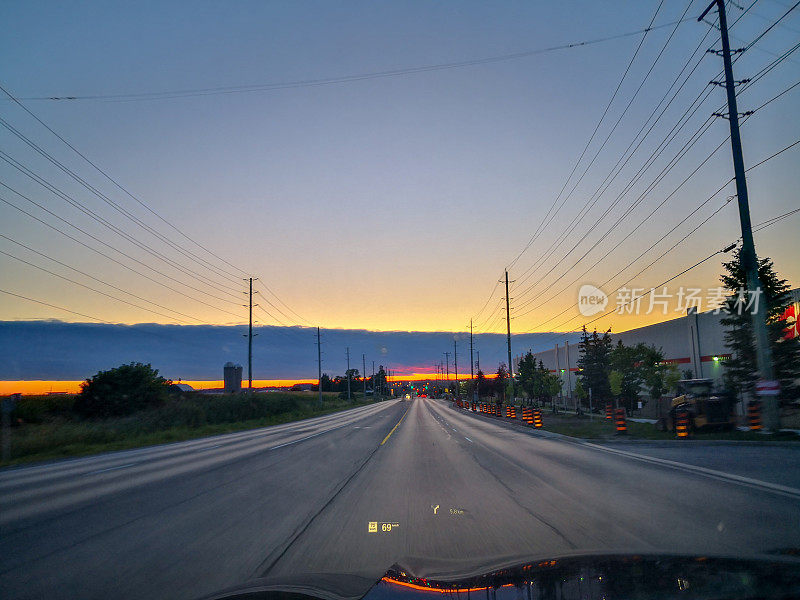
(471, 358)
(250, 339)
(364, 374)
(348, 373)
(508, 329)
(748, 252)
(373, 379)
(447, 364)
(478, 362)
(558, 373)
(455, 363)
(569, 381)
(319, 367)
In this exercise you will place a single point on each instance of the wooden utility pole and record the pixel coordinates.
(319, 367)
(748, 253)
(364, 374)
(250, 339)
(455, 363)
(508, 339)
(348, 374)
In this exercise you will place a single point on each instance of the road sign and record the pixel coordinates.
(768, 387)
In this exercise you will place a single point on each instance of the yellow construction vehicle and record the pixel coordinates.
(705, 411)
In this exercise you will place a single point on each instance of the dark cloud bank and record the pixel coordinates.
(72, 351)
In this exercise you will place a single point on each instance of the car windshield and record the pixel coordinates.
(312, 295)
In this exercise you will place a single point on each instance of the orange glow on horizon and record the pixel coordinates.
(41, 387)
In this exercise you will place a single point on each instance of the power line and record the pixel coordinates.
(186, 253)
(90, 276)
(83, 285)
(630, 152)
(111, 179)
(166, 95)
(768, 29)
(778, 153)
(56, 307)
(591, 138)
(108, 225)
(128, 193)
(560, 240)
(122, 264)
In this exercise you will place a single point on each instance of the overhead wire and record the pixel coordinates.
(105, 174)
(146, 206)
(165, 95)
(90, 276)
(116, 206)
(758, 76)
(110, 226)
(588, 143)
(101, 253)
(758, 164)
(629, 153)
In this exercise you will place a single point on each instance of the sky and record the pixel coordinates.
(384, 203)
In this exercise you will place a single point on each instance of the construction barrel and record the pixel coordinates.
(527, 415)
(537, 418)
(608, 411)
(754, 415)
(622, 426)
(682, 424)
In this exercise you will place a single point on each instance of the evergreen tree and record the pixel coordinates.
(500, 382)
(594, 363)
(741, 370)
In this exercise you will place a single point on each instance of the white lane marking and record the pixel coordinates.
(469, 440)
(302, 439)
(111, 469)
(747, 481)
(209, 448)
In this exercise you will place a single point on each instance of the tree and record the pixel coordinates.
(651, 363)
(580, 391)
(624, 362)
(325, 383)
(594, 363)
(636, 367)
(481, 385)
(552, 386)
(527, 375)
(380, 381)
(615, 383)
(671, 378)
(500, 382)
(122, 391)
(741, 370)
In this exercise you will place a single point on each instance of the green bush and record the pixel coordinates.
(37, 409)
(122, 391)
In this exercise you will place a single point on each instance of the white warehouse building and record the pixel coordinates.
(694, 342)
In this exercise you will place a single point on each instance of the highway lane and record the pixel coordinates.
(503, 491)
(179, 520)
(454, 490)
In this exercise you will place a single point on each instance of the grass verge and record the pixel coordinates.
(599, 428)
(59, 437)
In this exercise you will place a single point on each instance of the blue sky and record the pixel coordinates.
(386, 204)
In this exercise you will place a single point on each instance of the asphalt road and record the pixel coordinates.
(445, 489)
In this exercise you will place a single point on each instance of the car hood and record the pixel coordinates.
(565, 576)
